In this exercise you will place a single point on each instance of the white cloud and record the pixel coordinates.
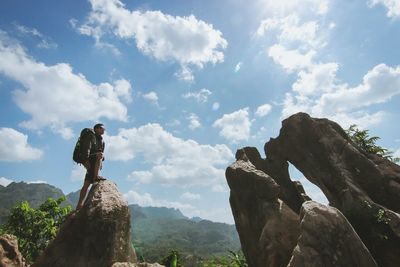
(189, 195)
(55, 96)
(14, 146)
(78, 173)
(220, 188)
(185, 40)
(393, 6)
(5, 182)
(185, 74)
(289, 30)
(37, 182)
(123, 89)
(96, 34)
(146, 200)
(263, 110)
(290, 60)
(44, 41)
(238, 66)
(151, 97)
(379, 85)
(235, 126)
(173, 161)
(284, 7)
(223, 215)
(345, 104)
(396, 154)
(318, 78)
(142, 177)
(215, 106)
(317, 89)
(194, 121)
(200, 96)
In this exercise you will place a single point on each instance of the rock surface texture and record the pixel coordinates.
(328, 239)
(9, 252)
(363, 187)
(97, 235)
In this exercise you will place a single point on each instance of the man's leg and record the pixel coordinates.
(82, 194)
(99, 158)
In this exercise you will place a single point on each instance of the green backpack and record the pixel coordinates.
(83, 142)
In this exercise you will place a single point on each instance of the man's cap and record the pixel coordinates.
(99, 125)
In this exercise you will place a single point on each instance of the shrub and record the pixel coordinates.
(35, 228)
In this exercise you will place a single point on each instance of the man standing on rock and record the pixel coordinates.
(93, 151)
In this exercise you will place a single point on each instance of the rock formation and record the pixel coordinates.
(267, 227)
(364, 187)
(97, 235)
(9, 252)
(328, 239)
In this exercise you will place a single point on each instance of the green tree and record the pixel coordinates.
(35, 228)
(172, 259)
(368, 143)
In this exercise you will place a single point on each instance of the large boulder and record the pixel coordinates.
(327, 239)
(9, 252)
(97, 235)
(267, 227)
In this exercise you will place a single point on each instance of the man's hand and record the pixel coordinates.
(86, 164)
(99, 155)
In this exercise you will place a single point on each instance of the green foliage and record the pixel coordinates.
(35, 228)
(234, 259)
(371, 222)
(34, 194)
(172, 259)
(368, 143)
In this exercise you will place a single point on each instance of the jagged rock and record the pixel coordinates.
(364, 187)
(291, 192)
(9, 252)
(97, 235)
(327, 239)
(267, 227)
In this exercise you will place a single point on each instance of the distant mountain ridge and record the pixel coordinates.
(35, 194)
(155, 230)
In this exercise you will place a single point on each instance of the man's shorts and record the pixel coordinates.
(89, 177)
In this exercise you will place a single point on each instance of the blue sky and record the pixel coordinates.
(180, 85)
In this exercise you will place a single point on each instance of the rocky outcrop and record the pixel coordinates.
(327, 239)
(9, 252)
(267, 227)
(364, 187)
(97, 235)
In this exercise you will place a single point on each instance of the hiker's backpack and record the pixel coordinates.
(83, 144)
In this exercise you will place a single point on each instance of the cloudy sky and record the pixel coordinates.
(180, 85)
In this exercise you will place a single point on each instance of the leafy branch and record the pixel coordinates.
(368, 143)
